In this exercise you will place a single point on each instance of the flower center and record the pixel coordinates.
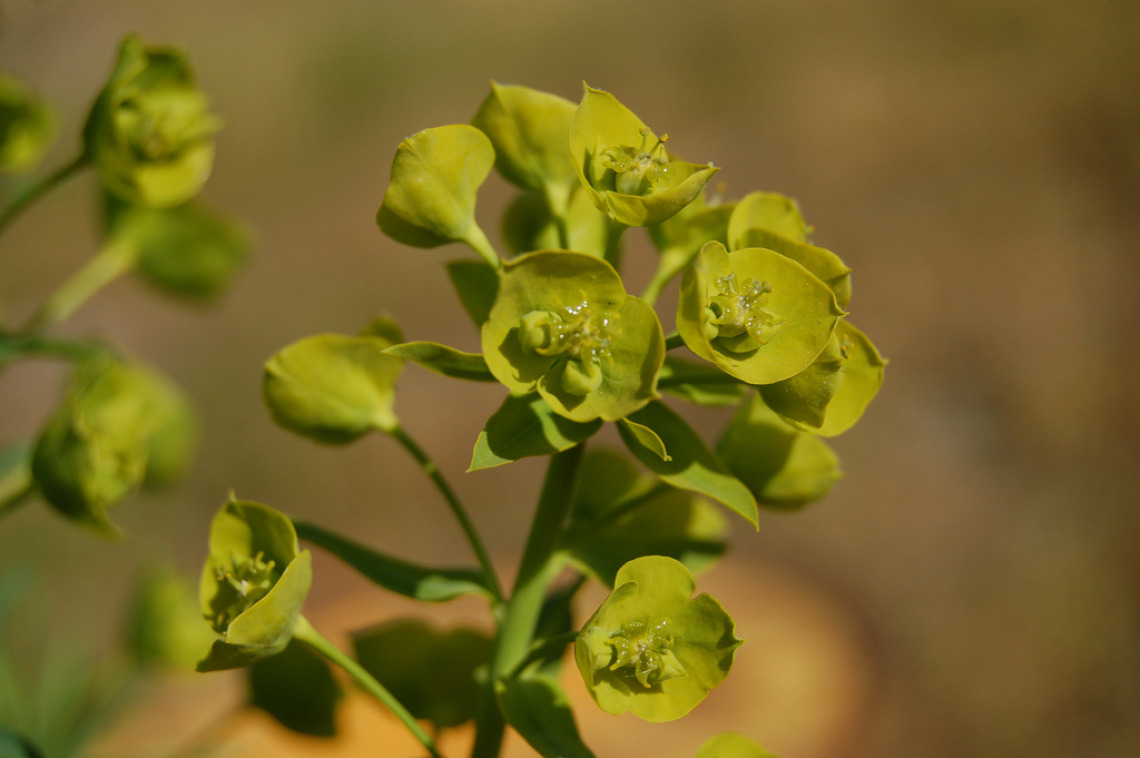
(246, 581)
(576, 333)
(638, 171)
(645, 653)
(737, 317)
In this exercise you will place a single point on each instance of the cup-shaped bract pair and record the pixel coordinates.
(27, 126)
(150, 133)
(563, 325)
(756, 314)
(625, 168)
(254, 583)
(119, 423)
(651, 648)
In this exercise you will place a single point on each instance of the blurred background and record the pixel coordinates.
(971, 588)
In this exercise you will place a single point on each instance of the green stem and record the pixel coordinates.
(542, 649)
(14, 346)
(108, 264)
(11, 502)
(478, 242)
(310, 636)
(541, 563)
(674, 341)
(653, 289)
(41, 188)
(433, 472)
(614, 231)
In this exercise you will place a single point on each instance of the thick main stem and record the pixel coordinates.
(310, 636)
(433, 472)
(540, 564)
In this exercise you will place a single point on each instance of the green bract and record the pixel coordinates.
(768, 211)
(783, 467)
(94, 450)
(830, 395)
(166, 628)
(756, 314)
(624, 166)
(528, 130)
(149, 133)
(187, 250)
(430, 200)
(253, 584)
(650, 648)
(27, 126)
(562, 324)
(333, 388)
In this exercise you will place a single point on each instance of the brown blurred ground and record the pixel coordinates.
(976, 163)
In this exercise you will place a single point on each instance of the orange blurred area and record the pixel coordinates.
(970, 588)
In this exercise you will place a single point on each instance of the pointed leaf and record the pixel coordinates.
(539, 710)
(433, 673)
(432, 585)
(445, 360)
(691, 466)
(297, 689)
(646, 438)
(525, 426)
(476, 283)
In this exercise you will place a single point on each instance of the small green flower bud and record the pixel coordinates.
(253, 584)
(430, 200)
(27, 126)
(562, 324)
(93, 451)
(651, 648)
(732, 745)
(150, 133)
(624, 166)
(333, 388)
(528, 130)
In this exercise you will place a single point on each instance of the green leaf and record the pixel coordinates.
(539, 710)
(297, 689)
(477, 284)
(756, 314)
(651, 648)
(444, 360)
(333, 388)
(433, 673)
(436, 175)
(700, 383)
(432, 585)
(646, 438)
(783, 467)
(766, 211)
(732, 745)
(525, 426)
(691, 466)
(253, 585)
(623, 516)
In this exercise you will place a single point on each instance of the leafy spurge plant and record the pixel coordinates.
(762, 312)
